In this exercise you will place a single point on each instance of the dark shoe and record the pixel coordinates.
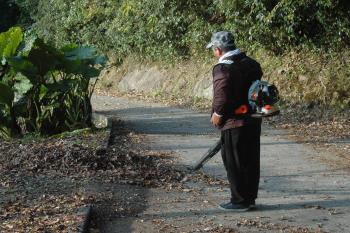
(238, 207)
(251, 204)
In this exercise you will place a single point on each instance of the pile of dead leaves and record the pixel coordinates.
(42, 180)
(83, 156)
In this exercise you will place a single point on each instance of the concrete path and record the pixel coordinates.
(296, 188)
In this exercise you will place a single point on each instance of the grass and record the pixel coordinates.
(308, 78)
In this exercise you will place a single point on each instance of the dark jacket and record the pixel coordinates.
(231, 83)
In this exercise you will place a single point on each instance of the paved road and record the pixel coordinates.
(296, 188)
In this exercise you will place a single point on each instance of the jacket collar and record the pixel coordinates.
(229, 54)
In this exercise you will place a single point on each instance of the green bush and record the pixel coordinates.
(148, 28)
(44, 89)
(174, 28)
(28, 11)
(171, 30)
(282, 25)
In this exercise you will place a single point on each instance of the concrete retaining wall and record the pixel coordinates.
(187, 80)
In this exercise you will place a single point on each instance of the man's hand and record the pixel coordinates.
(215, 119)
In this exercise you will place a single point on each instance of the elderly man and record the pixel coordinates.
(240, 134)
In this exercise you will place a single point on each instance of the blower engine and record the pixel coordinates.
(263, 98)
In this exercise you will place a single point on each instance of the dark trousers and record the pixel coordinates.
(240, 152)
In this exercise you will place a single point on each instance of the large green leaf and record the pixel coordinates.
(8, 76)
(44, 57)
(62, 85)
(9, 42)
(90, 72)
(6, 94)
(43, 92)
(22, 85)
(24, 66)
(85, 53)
(78, 67)
(80, 53)
(71, 66)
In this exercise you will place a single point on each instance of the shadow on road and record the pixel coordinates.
(162, 120)
(328, 204)
(119, 215)
(165, 120)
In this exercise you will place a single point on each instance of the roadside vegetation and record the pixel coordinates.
(45, 90)
(49, 61)
(303, 45)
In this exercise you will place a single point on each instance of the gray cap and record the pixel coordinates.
(221, 39)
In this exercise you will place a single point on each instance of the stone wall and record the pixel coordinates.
(185, 80)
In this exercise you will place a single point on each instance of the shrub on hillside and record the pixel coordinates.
(179, 28)
(149, 28)
(284, 24)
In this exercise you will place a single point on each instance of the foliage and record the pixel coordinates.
(172, 30)
(28, 10)
(279, 25)
(9, 42)
(44, 89)
(176, 28)
(147, 27)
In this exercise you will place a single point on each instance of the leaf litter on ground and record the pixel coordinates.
(43, 181)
